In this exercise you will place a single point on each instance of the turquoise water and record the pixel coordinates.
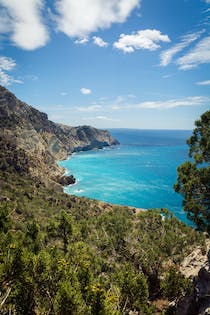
(140, 172)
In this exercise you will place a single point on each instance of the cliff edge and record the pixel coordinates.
(34, 143)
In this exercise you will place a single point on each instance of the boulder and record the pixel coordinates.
(67, 180)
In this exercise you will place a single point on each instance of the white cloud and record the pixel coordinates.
(64, 93)
(85, 91)
(144, 39)
(207, 82)
(104, 118)
(166, 56)
(23, 19)
(187, 101)
(80, 18)
(6, 79)
(200, 54)
(99, 41)
(28, 30)
(82, 41)
(7, 64)
(91, 108)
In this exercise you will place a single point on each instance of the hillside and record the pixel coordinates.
(62, 254)
(43, 142)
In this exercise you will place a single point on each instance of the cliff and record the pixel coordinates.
(41, 142)
(62, 254)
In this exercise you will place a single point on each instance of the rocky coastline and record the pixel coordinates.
(43, 142)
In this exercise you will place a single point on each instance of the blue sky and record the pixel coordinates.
(114, 63)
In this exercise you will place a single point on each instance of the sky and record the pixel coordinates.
(110, 64)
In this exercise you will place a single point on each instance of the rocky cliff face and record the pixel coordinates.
(196, 266)
(41, 141)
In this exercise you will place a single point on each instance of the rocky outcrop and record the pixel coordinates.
(199, 302)
(67, 180)
(195, 261)
(41, 141)
(197, 267)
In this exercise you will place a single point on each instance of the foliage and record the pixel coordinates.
(65, 229)
(174, 285)
(134, 289)
(193, 180)
(5, 221)
(63, 254)
(199, 142)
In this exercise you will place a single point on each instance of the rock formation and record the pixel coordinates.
(197, 267)
(28, 133)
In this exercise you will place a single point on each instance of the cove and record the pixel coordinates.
(140, 172)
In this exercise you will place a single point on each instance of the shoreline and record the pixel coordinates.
(112, 186)
(102, 203)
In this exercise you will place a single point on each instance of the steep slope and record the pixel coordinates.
(40, 140)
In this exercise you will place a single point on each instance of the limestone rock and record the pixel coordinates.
(41, 142)
(197, 267)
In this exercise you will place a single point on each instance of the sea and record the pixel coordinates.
(140, 172)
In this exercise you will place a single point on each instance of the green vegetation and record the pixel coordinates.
(194, 176)
(65, 255)
(62, 254)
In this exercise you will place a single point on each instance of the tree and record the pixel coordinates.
(199, 142)
(65, 229)
(175, 285)
(69, 300)
(5, 221)
(134, 289)
(193, 180)
(33, 236)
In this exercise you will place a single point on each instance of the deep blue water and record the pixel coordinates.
(140, 172)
